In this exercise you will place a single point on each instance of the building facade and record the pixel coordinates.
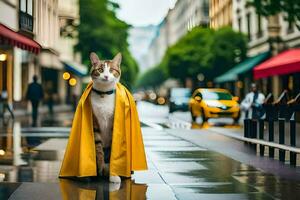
(158, 45)
(260, 31)
(17, 22)
(185, 15)
(68, 12)
(139, 41)
(220, 13)
(48, 68)
(38, 38)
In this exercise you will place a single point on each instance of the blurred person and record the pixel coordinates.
(6, 104)
(35, 94)
(252, 104)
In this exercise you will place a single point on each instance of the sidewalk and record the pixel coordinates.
(179, 169)
(42, 110)
(240, 132)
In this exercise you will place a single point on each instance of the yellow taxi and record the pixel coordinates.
(213, 103)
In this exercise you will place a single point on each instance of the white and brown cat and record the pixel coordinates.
(105, 75)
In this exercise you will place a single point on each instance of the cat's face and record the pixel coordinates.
(105, 71)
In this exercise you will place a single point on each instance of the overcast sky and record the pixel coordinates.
(143, 12)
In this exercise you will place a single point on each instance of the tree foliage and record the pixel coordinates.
(272, 7)
(151, 78)
(102, 32)
(204, 51)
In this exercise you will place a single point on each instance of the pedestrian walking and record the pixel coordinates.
(252, 104)
(34, 94)
(6, 105)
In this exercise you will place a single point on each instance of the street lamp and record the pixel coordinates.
(3, 57)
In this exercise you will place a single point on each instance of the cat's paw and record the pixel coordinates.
(115, 179)
(114, 187)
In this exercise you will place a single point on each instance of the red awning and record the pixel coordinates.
(287, 62)
(8, 36)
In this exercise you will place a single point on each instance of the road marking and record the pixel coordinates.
(152, 125)
(174, 122)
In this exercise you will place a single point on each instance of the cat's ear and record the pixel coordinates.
(94, 59)
(117, 59)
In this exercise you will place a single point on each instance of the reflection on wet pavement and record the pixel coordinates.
(178, 169)
(101, 190)
(207, 125)
(203, 174)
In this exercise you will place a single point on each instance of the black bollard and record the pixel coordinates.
(261, 136)
(293, 155)
(246, 128)
(281, 138)
(254, 129)
(253, 133)
(271, 137)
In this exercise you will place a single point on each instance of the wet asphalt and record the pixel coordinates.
(183, 164)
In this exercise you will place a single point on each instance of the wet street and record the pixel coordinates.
(183, 164)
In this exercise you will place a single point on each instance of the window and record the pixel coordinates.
(29, 7)
(23, 6)
(249, 26)
(290, 28)
(25, 15)
(211, 95)
(205, 6)
(259, 29)
(240, 24)
(26, 6)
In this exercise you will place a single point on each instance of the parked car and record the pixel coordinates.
(179, 99)
(214, 103)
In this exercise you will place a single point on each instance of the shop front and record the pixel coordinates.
(11, 45)
(239, 78)
(281, 72)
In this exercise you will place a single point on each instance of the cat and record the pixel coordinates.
(105, 75)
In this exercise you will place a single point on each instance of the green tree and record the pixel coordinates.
(151, 78)
(272, 7)
(102, 32)
(204, 51)
(228, 48)
(189, 55)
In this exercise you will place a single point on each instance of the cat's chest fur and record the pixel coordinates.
(103, 109)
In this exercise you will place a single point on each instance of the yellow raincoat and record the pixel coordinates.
(127, 150)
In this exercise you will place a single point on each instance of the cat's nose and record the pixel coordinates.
(106, 77)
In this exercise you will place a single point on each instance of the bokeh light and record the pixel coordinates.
(3, 57)
(66, 75)
(72, 81)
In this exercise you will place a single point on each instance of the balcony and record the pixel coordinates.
(25, 22)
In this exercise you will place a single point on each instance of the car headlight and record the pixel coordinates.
(211, 106)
